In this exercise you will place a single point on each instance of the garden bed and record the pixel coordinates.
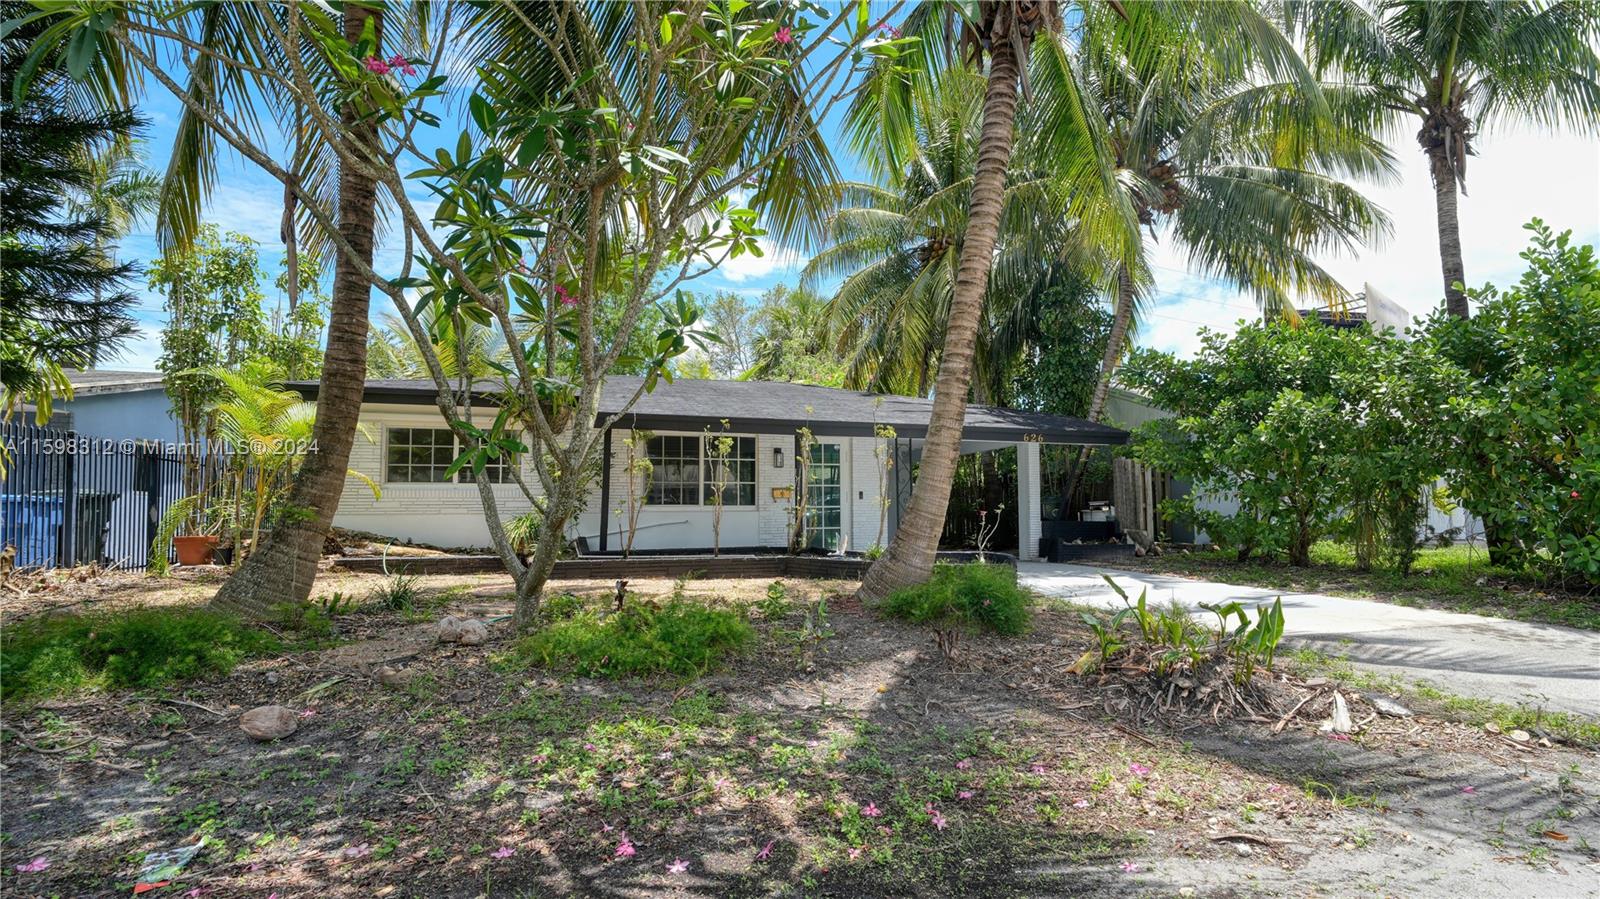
(758, 565)
(838, 755)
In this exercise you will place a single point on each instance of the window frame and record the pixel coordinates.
(458, 448)
(703, 486)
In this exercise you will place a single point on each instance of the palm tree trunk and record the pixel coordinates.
(283, 567)
(1120, 321)
(911, 553)
(1444, 198)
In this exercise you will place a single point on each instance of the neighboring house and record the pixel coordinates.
(411, 449)
(117, 405)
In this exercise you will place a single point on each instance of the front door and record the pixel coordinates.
(825, 497)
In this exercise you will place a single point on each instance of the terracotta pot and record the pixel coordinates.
(195, 550)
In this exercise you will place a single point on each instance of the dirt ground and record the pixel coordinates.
(839, 757)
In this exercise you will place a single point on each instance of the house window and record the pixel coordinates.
(675, 476)
(740, 465)
(683, 475)
(422, 456)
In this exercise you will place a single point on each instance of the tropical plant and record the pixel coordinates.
(66, 302)
(1521, 435)
(964, 598)
(1456, 68)
(1066, 123)
(790, 342)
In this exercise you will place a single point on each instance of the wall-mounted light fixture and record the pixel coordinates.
(777, 457)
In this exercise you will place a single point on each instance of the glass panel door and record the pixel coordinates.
(825, 497)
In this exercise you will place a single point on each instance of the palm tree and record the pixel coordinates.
(284, 564)
(1456, 67)
(898, 248)
(393, 353)
(118, 191)
(1244, 175)
(790, 343)
(1067, 123)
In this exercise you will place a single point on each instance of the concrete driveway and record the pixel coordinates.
(1466, 655)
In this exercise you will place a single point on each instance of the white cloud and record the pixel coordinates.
(1515, 177)
(773, 261)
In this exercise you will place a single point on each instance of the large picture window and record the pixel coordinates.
(423, 455)
(682, 473)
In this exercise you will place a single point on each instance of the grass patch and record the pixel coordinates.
(681, 637)
(978, 596)
(1458, 578)
(137, 648)
(1574, 729)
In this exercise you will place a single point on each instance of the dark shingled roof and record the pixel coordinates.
(775, 407)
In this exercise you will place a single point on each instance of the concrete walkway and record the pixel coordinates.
(1466, 655)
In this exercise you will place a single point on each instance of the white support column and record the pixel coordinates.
(1029, 527)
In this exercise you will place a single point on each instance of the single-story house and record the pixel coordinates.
(115, 405)
(847, 479)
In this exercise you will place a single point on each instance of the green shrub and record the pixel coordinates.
(681, 637)
(398, 594)
(138, 648)
(965, 597)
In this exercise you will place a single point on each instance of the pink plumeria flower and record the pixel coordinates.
(194, 893)
(751, 741)
(1037, 768)
(625, 849)
(272, 895)
(359, 851)
(938, 821)
(1129, 868)
(964, 794)
(964, 764)
(1343, 738)
(539, 758)
(1138, 770)
(588, 747)
(855, 852)
(38, 864)
(766, 851)
(376, 66)
(503, 852)
(1081, 803)
(1574, 494)
(399, 62)
(308, 713)
(678, 866)
(1469, 789)
(871, 810)
(784, 35)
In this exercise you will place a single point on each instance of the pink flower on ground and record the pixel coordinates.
(194, 893)
(1275, 788)
(503, 852)
(588, 747)
(358, 851)
(871, 810)
(1081, 803)
(1037, 768)
(625, 848)
(1574, 494)
(938, 820)
(377, 66)
(1129, 868)
(885, 829)
(1469, 789)
(308, 713)
(539, 758)
(1343, 738)
(855, 852)
(964, 764)
(38, 864)
(766, 851)
(784, 35)
(678, 866)
(1138, 770)
(964, 794)
(272, 896)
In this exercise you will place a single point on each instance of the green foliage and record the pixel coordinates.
(1179, 641)
(398, 594)
(1309, 427)
(682, 638)
(166, 529)
(137, 648)
(975, 596)
(1522, 437)
(523, 530)
(775, 605)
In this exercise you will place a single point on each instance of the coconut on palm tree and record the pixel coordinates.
(1455, 68)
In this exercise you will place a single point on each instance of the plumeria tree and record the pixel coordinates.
(613, 153)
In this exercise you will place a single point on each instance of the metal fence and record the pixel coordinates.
(67, 499)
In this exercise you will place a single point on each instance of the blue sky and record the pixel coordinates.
(1517, 175)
